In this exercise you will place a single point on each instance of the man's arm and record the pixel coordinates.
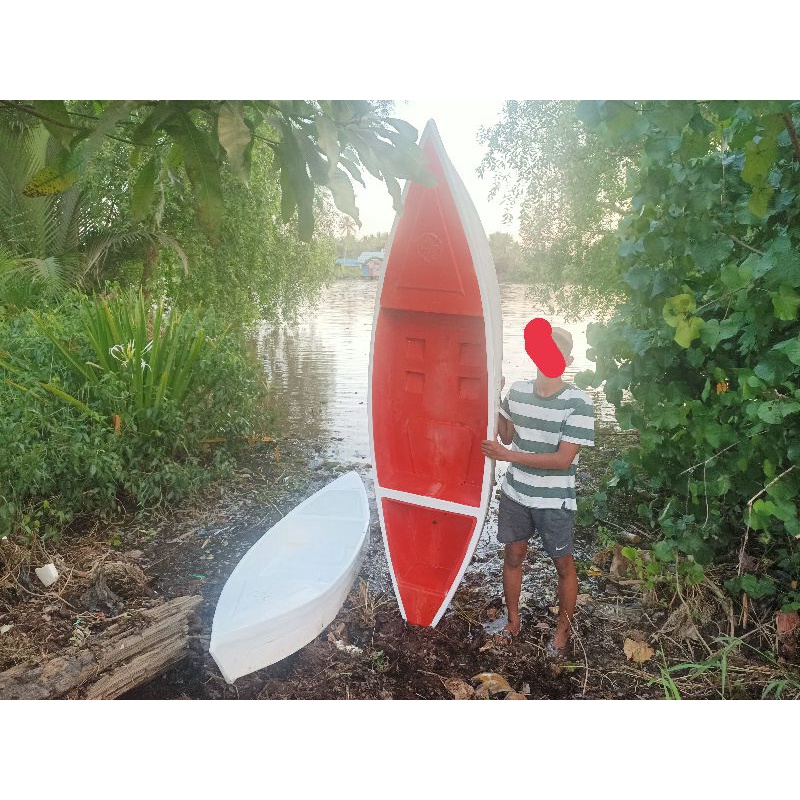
(561, 459)
(505, 429)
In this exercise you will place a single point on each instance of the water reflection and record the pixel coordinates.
(318, 367)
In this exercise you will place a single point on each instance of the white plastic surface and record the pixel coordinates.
(292, 582)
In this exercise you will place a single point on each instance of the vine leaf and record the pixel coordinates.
(688, 330)
(791, 349)
(676, 308)
(785, 302)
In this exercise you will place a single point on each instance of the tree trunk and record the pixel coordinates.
(122, 657)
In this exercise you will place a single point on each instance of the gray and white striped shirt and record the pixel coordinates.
(540, 424)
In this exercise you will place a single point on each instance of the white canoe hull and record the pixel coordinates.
(292, 582)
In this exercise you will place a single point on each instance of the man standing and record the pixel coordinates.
(546, 421)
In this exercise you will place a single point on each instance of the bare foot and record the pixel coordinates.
(561, 638)
(509, 633)
(512, 626)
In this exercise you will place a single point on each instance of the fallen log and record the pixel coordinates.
(127, 654)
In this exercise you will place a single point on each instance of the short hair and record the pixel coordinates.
(563, 340)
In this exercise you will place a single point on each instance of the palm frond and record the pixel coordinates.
(173, 244)
(23, 220)
(106, 244)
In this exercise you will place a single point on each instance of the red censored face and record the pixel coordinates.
(539, 345)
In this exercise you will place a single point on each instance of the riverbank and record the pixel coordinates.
(625, 637)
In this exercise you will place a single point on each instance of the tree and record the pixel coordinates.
(47, 243)
(314, 143)
(258, 269)
(38, 237)
(507, 255)
(349, 246)
(707, 341)
(571, 191)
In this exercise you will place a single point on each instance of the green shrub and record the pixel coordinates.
(107, 403)
(707, 342)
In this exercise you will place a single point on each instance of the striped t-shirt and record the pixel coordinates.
(540, 424)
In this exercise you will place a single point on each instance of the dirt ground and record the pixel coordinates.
(625, 637)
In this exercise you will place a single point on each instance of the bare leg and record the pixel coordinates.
(567, 597)
(512, 582)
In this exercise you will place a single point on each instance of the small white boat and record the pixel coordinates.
(291, 583)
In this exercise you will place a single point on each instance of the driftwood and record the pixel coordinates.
(124, 656)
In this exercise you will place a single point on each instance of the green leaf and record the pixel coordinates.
(672, 117)
(50, 180)
(730, 326)
(584, 378)
(773, 412)
(288, 202)
(328, 139)
(688, 330)
(735, 277)
(759, 200)
(58, 121)
(710, 333)
(623, 120)
(317, 165)
(236, 137)
(352, 169)
(785, 302)
(343, 194)
(365, 154)
(757, 588)
(163, 112)
(790, 348)
(714, 433)
(394, 190)
(760, 157)
(757, 265)
(144, 189)
(676, 308)
(293, 167)
(723, 484)
(203, 171)
(405, 129)
(765, 371)
(664, 550)
(710, 254)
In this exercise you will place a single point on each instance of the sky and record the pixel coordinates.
(458, 122)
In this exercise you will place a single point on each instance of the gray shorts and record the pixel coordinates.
(517, 523)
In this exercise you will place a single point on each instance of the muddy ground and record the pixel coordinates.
(626, 633)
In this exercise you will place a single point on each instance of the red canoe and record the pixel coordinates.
(435, 366)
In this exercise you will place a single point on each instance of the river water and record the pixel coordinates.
(318, 367)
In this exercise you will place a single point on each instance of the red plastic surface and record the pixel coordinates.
(429, 410)
(427, 549)
(430, 267)
(429, 394)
